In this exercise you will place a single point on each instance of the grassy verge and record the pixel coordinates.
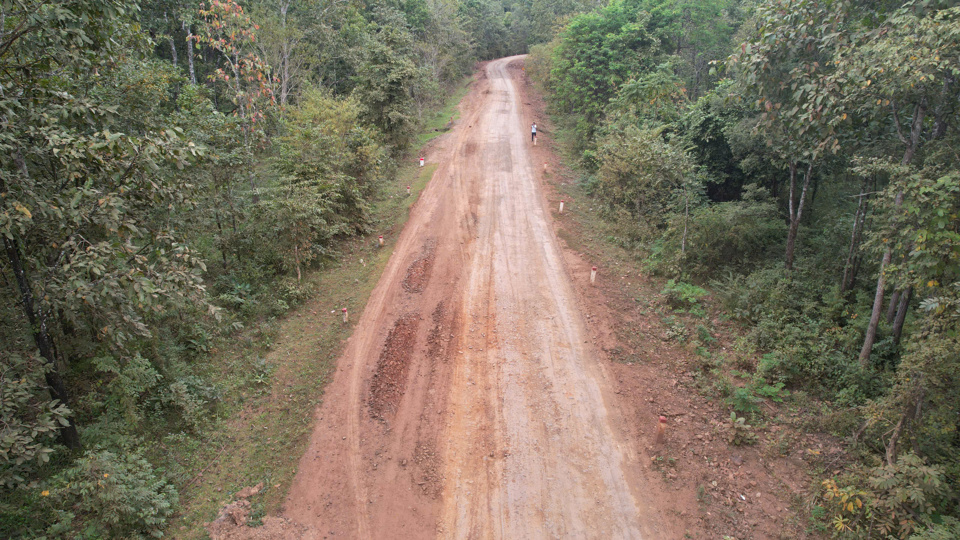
(440, 121)
(272, 375)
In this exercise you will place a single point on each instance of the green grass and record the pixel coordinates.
(273, 375)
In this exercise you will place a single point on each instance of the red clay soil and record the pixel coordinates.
(479, 396)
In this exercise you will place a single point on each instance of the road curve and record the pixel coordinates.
(469, 402)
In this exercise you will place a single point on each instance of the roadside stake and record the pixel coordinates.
(345, 316)
(380, 239)
(561, 206)
(661, 431)
(593, 275)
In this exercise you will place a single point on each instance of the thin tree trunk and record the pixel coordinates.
(892, 306)
(173, 51)
(871, 334)
(296, 258)
(853, 259)
(284, 56)
(916, 129)
(911, 412)
(190, 69)
(902, 307)
(796, 210)
(686, 218)
(41, 337)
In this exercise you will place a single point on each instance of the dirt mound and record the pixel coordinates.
(389, 381)
(231, 523)
(419, 272)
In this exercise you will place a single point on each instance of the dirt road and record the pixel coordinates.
(469, 402)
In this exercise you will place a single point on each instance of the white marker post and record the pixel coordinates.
(593, 275)
(345, 315)
(544, 166)
(408, 187)
(380, 239)
(561, 206)
(363, 263)
(421, 161)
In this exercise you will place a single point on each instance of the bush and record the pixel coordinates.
(191, 396)
(29, 420)
(732, 236)
(106, 495)
(684, 296)
(891, 501)
(739, 432)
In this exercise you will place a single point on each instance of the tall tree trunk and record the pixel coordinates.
(852, 265)
(173, 51)
(892, 306)
(37, 319)
(871, 334)
(796, 209)
(190, 69)
(902, 307)
(284, 56)
(296, 258)
(916, 129)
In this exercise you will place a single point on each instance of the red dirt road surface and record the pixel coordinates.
(469, 402)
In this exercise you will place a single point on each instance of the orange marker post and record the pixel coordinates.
(661, 431)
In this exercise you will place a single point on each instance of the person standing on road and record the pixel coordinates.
(533, 133)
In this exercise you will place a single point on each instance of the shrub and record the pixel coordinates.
(891, 501)
(106, 495)
(739, 432)
(190, 395)
(29, 419)
(684, 296)
(732, 236)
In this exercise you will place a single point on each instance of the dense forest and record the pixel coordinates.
(171, 170)
(799, 159)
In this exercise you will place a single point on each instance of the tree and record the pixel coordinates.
(331, 165)
(83, 250)
(386, 76)
(597, 53)
(786, 68)
(227, 29)
(696, 31)
(903, 76)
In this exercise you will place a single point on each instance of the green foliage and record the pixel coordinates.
(109, 495)
(894, 501)
(739, 432)
(733, 236)
(29, 420)
(596, 53)
(385, 76)
(947, 529)
(684, 296)
(642, 175)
